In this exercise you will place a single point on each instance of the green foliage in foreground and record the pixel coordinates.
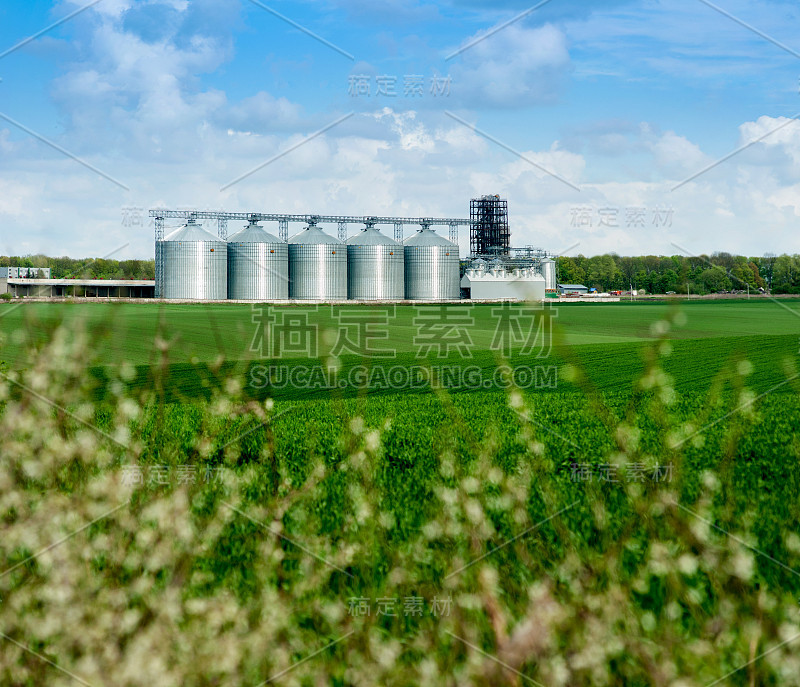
(467, 501)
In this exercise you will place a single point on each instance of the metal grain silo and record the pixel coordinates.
(375, 267)
(432, 267)
(549, 273)
(195, 265)
(317, 266)
(258, 265)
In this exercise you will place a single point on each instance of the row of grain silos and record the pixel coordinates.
(192, 264)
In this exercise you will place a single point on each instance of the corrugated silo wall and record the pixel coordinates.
(375, 273)
(432, 273)
(195, 270)
(258, 271)
(318, 272)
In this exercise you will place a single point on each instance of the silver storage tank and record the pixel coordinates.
(258, 265)
(432, 267)
(375, 267)
(317, 266)
(549, 273)
(195, 265)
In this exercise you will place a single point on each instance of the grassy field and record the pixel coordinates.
(609, 341)
(633, 521)
(128, 331)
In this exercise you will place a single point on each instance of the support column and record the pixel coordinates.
(159, 225)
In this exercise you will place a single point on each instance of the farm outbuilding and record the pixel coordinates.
(573, 289)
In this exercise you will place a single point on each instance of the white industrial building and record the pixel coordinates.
(77, 288)
(497, 281)
(24, 273)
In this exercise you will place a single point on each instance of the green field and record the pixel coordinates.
(633, 520)
(207, 331)
(609, 341)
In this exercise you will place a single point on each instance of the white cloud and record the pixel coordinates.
(261, 113)
(405, 166)
(516, 66)
(675, 155)
(779, 136)
(685, 39)
(135, 109)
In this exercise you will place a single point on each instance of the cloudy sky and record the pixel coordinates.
(601, 122)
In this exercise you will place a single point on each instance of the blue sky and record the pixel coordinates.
(174, 99)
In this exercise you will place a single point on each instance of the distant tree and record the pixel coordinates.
(628, 268)
(654, 273)
(759, 281)
(84, 268)
(602, 272)
(715, 278)
(684, 269)
(569, 270)
(651, 263)
(785, 274)
(767, 267)
(724, 260)
(670, 281)
(699, 263)
(741, 275)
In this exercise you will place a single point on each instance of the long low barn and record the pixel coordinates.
(79, 288)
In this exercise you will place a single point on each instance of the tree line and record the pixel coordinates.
(85, 268)
(610, 272)
(701, 274)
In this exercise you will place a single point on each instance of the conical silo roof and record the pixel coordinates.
(191, 232)
(253, 233)
(314, 236)
(428, 237)
(371, 237)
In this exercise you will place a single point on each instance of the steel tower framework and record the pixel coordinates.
(489, 234)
